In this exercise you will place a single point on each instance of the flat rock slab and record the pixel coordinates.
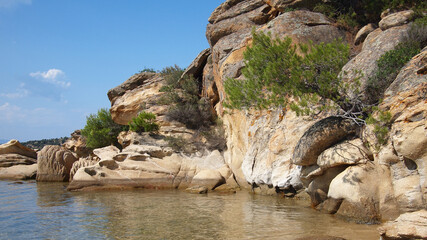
(19, 172)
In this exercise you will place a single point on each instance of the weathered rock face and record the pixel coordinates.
(54, 164)
(235, 16)
(138, 93)
(130, 84)
(77, 144)
(364, 66)
(363, 33)
(322, 135)
(82, 162)
(150, 166)
(407, 226)
(14, 147)
(256, 152)
(396, 19)
(17, 162)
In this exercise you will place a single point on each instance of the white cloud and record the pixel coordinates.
(13, 3)
(52, 76)
(21, 92)
(11, 113)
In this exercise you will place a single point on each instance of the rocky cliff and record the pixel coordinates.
(276, 151)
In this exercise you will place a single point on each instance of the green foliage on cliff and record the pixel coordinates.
(101, 130)
(182, 96)
(389, 66)
(144, 122)
(275, 71)
(381, 126)
(352, 14)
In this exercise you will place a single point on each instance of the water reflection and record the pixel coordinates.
(47, 211)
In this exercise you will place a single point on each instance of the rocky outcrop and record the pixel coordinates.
(14, 147)
(151, 164)
(54, 164)
(256, 152)
(235, 16)
(338, 163)
(82, 162)
(130, 84)
(77, 145)
(138, 93)
(406, 226)
(196, 67)
(17, 162)
(363, 66)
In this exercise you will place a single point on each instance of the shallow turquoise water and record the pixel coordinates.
(47, 211)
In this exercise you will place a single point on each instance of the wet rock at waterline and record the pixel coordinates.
(19, 172)
(407, 226)
(54, 164)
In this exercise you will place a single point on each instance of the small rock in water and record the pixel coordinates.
(197, 189)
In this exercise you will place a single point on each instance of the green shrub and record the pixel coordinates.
(144, 122)
(382, 124)
(148, 70)
(274, 72)
(101, 130)
(182, 96)
(178, 144)
(389, 66)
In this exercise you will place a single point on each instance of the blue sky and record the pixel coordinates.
(58, 58)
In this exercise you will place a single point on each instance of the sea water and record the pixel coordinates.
(30, 210)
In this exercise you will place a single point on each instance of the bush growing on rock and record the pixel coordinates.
(182, 96)
(101, 130)
(144, 122)
(274, 72)
(351, 14)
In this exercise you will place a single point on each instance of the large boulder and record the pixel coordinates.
(322, 135)
(407, 226)
(396, 19)
(54, 164)
(360, 188)
(15, 147)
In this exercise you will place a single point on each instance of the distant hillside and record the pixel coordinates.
(39, 144)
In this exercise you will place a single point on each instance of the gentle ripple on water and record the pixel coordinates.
(47, 211)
